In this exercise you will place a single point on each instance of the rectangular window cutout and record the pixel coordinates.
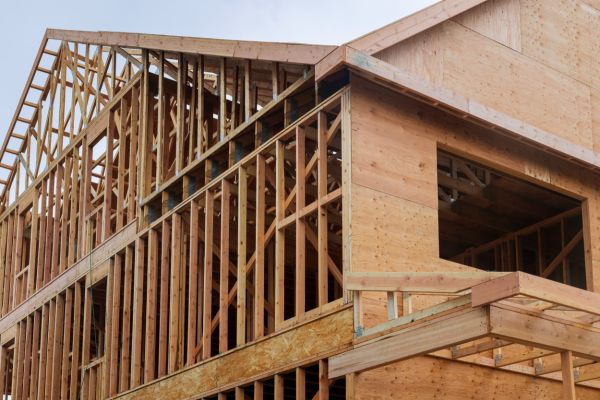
(495, 222)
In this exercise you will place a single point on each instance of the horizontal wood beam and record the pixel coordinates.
(520, 283)
(464, 351)
(544, 332)
(424, 338)
(588, 372)
(268, 51)
(271, 354)
(438, 282)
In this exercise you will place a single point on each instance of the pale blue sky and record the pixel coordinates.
(23, 22)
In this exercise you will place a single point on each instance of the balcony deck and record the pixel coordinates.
(516, 322)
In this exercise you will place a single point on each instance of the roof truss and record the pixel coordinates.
(76, 75)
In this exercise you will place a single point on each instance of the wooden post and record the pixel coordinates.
(278, 389)
(234, 99)
(275, 79)
(124, 361)
(300, 383)
(222, 98)
(34, 355)
(259, 267)
(200, 114)
(208, 274)
(279, 233)
(122, 128)
(300, 224)
(322, 234)
(241, 262)
(247, 90)
(174, 290)
(160, 135)
(75, 355)
(193, 282)
(258, 390)
(87, 333)
(108, 179)
(163, 330)
(68, 331)
(116, 312)
(323, 380)
(181, 107)
(239, 393)
(346, 137)
(224, 266)
(103, 367)
(392, 305)
(51, 347)
(151, 309)
(17, 385)
(146, 139)
(134, 155)
(3, 370)
(566, 359)
(138, 304)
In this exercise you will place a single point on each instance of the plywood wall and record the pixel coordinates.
(432, 378)
(536, 60)
(394, 179)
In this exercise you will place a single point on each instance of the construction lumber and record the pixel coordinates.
(529, 285)
(202, 218)
(439, 282)
(246, 364)
(422, 339)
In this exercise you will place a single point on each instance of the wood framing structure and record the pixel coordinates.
(415, 213)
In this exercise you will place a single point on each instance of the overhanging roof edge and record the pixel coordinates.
(298, 53)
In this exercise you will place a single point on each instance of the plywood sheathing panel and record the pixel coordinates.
(391, 233)
(496, 19)
(596, 118)
(411, 25)
(278, 352)
(505, 80)
(593, 3)
(420, 55)
(490, 73)
(564, 36)
(431, 378)
(396, 229)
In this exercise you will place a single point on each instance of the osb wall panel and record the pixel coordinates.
(563, 35)
(335, 332)
(388, 149)
(432, 378)
(420, 55)
(386, 230)
(477, 57)
(394, 226)
(596, 118)
(499, 20)
(494, 75)
(593, 3)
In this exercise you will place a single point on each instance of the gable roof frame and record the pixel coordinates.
(15, 141)
(411, 25)
(296, 53)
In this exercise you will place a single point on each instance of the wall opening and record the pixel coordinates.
(495, 222)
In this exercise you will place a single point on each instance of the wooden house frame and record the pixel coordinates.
(413, 214)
